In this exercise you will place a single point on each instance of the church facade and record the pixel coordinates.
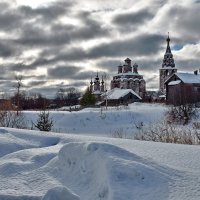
(129, 78)
(168, 67)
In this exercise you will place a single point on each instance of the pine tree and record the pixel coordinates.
(88, 99)
(44, 123)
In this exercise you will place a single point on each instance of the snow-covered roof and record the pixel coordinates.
(117, 93)
(174, 82)
(188, 77)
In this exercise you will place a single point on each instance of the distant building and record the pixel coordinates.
(97, 87)
(183, 88)
(168, 67)
(129, 78)
(119, 96)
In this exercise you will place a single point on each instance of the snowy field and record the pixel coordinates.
(93, 121)
(86, 164)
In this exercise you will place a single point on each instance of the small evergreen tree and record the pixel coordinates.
(88, 98)
(44, 123)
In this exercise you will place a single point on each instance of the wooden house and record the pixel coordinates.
(183, 88)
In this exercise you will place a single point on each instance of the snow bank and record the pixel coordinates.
(60, 193)
(104, 171)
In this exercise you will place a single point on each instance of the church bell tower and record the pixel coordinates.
(168, 66)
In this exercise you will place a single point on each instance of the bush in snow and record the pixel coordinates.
(9, 117)
(181, 114)
(44, 122)
(169, 133)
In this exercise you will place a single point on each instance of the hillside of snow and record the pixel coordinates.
(83, 162)
(53, 166)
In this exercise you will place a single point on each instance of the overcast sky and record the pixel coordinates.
(59, 44)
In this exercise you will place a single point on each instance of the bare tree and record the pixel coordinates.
(18, 87)
(181, 113)
(9, 117)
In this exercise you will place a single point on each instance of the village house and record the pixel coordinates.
(183, 88)
(117, 96)
(178, 87)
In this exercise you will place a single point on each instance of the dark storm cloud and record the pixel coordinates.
(148, 44)
(84, 75)
(55, 35)
(39, 36)
(91, 29)
(110, 65)
(75, 84)
(132, 19)
(185, 22)
(69, 72)
(78, 84)
(72, 54)
(19, 67)
(149, 65)
(9, 17)
(24, 28)
(47, 13)
(63, 72)
(6, 50)
(7, 84)
(141, 45)
(36, 83)
(8, 20)
(188, 64)
(144, 65)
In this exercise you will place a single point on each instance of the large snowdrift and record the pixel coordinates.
(36, 165)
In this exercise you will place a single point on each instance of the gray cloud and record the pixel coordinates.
(188, 64)
(6, 50)
(36, 83)
(102, 34)
(145, 44)
(131, 20)
(69, 72)
(47, 13)
(63, 72)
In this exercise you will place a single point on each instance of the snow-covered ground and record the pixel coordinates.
(58, 166)
(93, 121)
